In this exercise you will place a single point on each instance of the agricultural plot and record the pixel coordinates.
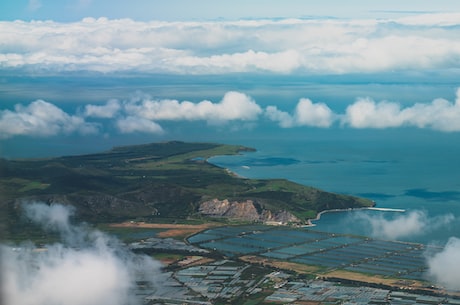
(331, 251)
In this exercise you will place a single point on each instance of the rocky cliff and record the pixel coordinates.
(244, 210)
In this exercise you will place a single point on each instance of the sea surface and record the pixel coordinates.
(417, 171)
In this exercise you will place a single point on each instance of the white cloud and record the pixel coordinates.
(443, 267)
(440, 114)
(283, 118)
(144, 114)
(278, 62)
(41, 118)
(233, 106)
(310, 114)
(54, 217)
(366, 113)
(281, 46)
(440, 19)
(86, 268)
(403, 225)
(306, 113)
(103, 111)
(132, 124)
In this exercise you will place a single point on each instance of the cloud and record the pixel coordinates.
(233, 106)
(41, 118)
(401, 225)
(277, 62)
(443, 267)
(133, 124)
(440, 114)
(140, 114)
(105, 111)
(144, 114)
(96, 270)
(54, 217)
(306, 113)
(286, 46)
(366, 113)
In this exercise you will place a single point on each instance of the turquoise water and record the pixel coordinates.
(411, 169)
(414, 170)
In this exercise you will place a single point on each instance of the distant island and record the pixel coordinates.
(163, 182)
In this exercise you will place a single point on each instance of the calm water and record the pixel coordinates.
(414, 170)
(411, 169)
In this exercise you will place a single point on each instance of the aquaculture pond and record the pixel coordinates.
(328, 250)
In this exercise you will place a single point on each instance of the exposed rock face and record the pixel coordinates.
(244, 210)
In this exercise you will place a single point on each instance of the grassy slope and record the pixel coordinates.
(169, 179)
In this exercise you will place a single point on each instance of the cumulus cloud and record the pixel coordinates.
(133, 124)
(145, 114)
(443, 267)
(402, 225)
(41, 118)
(440, 114)
(140, 114)
(103, 111)
(306, 113)
(233, 106)
(321, 46)
(96, 270)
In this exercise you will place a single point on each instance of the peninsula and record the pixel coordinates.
(159, 182)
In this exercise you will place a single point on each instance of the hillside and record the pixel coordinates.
(160, 180)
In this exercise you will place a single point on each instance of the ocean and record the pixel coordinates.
(407, 169)
(412, 169)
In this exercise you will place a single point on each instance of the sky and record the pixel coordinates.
(52, 52)
(304, 39)
(419, 43)
(183, 10)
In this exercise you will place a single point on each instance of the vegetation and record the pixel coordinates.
(151, 182)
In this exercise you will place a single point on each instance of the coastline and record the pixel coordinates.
(310, 222)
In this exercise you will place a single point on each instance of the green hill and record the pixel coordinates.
(152, 181)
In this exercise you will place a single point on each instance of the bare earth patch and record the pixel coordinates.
(172, 230)
(299, 268)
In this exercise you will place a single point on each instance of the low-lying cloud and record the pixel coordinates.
(103, 111)
(401, 225)
(233, 106)
(440, 114)
(86, 268)
(144, 114)
(284, 46)
(443, 267)
(41, 118)
(306, 113)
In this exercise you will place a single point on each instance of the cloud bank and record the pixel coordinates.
(102, 271)
(286, 46)
(403, 225)
(144, 114)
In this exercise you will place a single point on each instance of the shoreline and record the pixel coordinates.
(310, 222)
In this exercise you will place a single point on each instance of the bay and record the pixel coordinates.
(410, 169)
